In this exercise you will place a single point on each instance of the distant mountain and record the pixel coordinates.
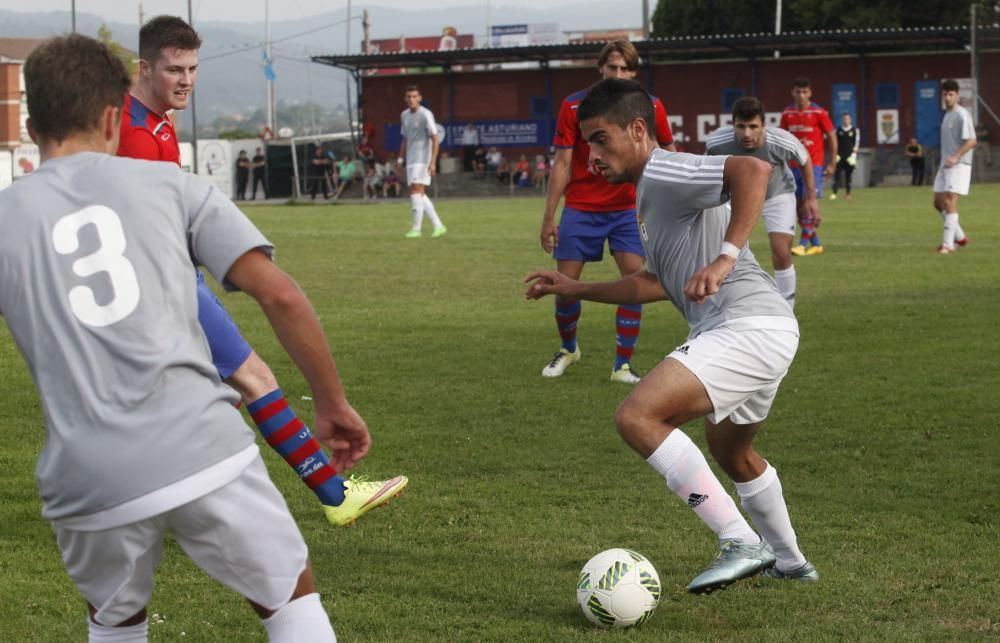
(231, 78)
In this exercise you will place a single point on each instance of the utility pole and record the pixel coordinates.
(194, 114)
(645, 19)
(72, 10)
(271, 125)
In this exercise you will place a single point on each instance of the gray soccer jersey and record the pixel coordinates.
(417, 128)
(682, 229)
(778, 148)
(98, 287)
(956, 128)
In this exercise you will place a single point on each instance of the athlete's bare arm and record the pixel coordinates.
(638, 288)
(337, 426)
(558, 180)
(745, 178)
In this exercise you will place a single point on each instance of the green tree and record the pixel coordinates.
(706, 17)
(127, 57)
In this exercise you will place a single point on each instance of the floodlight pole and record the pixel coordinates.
(72, 11)
(973, 67)
(645, 19)
(194, 113)
(777, 24)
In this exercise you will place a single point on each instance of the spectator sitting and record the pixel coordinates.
(389, 178)
(493, 159)
(522, 172)
(541, 171)
(371, 183)
(479, 163)
(366, 153)
(347, 171)
(503, 170)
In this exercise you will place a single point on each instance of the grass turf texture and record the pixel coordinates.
(884, 432)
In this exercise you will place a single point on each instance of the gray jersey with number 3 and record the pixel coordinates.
(97, 284)
(683, 221)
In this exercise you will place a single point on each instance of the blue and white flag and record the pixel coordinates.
(268, 67)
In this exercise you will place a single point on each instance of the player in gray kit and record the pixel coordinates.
(958, 138)
(750, 136)
(743, 333)
(143, 439)
(419, 151)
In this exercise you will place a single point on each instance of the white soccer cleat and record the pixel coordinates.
(560, 362)
(625, 375)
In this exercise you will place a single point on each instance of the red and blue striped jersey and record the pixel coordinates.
(146, 134)
(587, 190)
(808, 125)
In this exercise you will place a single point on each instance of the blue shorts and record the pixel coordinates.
(800, 186)
(582, 234)
(229, 349)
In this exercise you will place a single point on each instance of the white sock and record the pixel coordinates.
(105, 634)
(431, 212)
(950, 225)
(417, 207)
(785, 280)
(763, 500)
(682, 463)
(301, 621)
(959, 232)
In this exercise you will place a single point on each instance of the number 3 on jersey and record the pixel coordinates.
(108, 258)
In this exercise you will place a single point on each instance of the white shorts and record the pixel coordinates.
(953, 179)
(241, 535)
(778, 214)
(740, 369)
(417, 173)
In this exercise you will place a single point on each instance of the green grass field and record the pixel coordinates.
(885, 433)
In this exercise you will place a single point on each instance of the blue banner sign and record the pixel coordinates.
(517, 133)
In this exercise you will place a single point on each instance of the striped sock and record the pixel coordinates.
(627, 321)
(294, 442)
(567, 314)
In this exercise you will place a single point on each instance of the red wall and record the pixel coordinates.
(686, 89)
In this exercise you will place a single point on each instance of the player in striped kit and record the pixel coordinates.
(594, 213)
(168, 66)
(811, 124)
(742, 340)
(750, 136)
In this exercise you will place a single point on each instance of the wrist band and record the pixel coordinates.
(729, 249)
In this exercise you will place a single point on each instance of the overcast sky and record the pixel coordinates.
(253, 10)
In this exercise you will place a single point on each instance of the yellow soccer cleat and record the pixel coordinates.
(815, 250)
(799, 251)
(361, 496)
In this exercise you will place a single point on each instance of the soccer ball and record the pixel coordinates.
(618, 588)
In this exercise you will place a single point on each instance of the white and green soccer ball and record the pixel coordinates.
(618, 588)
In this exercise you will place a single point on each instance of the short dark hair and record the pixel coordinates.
(412, 88)
(69, 81)
(949, 85)
(747, 107)
(620, 102)
(802, 82)
(166, 32)
(623, 47)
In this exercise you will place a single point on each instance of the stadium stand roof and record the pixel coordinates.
(683, 48)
